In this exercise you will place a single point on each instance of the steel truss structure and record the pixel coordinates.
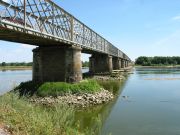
(46, 19)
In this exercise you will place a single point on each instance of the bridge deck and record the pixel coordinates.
(42, 22)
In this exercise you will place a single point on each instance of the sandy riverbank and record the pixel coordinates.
(15, 68)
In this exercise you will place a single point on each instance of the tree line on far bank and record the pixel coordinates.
(157, 61)
(84, 64)
(16, 64)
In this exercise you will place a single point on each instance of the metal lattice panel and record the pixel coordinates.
(45, 19)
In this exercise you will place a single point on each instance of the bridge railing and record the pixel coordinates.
(46, 19)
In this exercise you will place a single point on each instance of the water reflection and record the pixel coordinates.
(152, 107)
(91, 120)
(163, 70)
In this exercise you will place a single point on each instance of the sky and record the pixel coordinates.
(137, 27)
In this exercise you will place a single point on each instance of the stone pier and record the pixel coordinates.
(100, 63)
(116, 63)
(57, 64)
(126, 64)
(122, 63)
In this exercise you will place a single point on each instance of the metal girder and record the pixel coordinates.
(46, 19)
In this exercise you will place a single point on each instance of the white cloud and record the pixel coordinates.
(176, 18)
(171, 40)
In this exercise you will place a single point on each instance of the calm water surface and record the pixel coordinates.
(153, 106)
(9, 79)
(148, 103)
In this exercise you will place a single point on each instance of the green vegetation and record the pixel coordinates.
(27, 88)
(57, 88)
(157, 61)
(25, 118)
(28, 64)
(14, 64)
(3, 64)
(85, 64)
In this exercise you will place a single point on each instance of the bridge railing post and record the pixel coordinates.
(72, 28)
(91, 39)
(24, 15)
(83, 38)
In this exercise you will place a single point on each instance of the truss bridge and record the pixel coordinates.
(60, 39)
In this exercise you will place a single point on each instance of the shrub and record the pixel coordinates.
(27, 88)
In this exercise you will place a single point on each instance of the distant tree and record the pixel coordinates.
(157, 60)
(12, 64)
(85, 64)
(16, 64)
(145, 61)
(3, 64)
(29, 64)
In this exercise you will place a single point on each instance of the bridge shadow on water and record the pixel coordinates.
(92, 119)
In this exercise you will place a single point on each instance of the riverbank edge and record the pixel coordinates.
(80, 99)
(15, 68)
(169, 66)
(85, 100)
(22, 68)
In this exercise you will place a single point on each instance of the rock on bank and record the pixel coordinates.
(78, 100)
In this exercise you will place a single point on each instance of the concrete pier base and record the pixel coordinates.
(100, 63)
(57, 64)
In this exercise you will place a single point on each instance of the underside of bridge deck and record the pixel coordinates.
(31, 39)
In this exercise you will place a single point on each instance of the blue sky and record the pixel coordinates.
(137, 27)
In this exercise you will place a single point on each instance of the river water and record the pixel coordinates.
(148, 103)
(11, 78)
(152, 106)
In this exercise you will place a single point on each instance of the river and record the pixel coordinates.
(148, 103)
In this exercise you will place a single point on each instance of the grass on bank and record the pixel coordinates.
(57, 88)
(25, 118)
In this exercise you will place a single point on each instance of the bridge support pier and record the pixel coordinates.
(122, 63)
(57, 64)
(126, 63)
(100, 63)
(116, 63)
